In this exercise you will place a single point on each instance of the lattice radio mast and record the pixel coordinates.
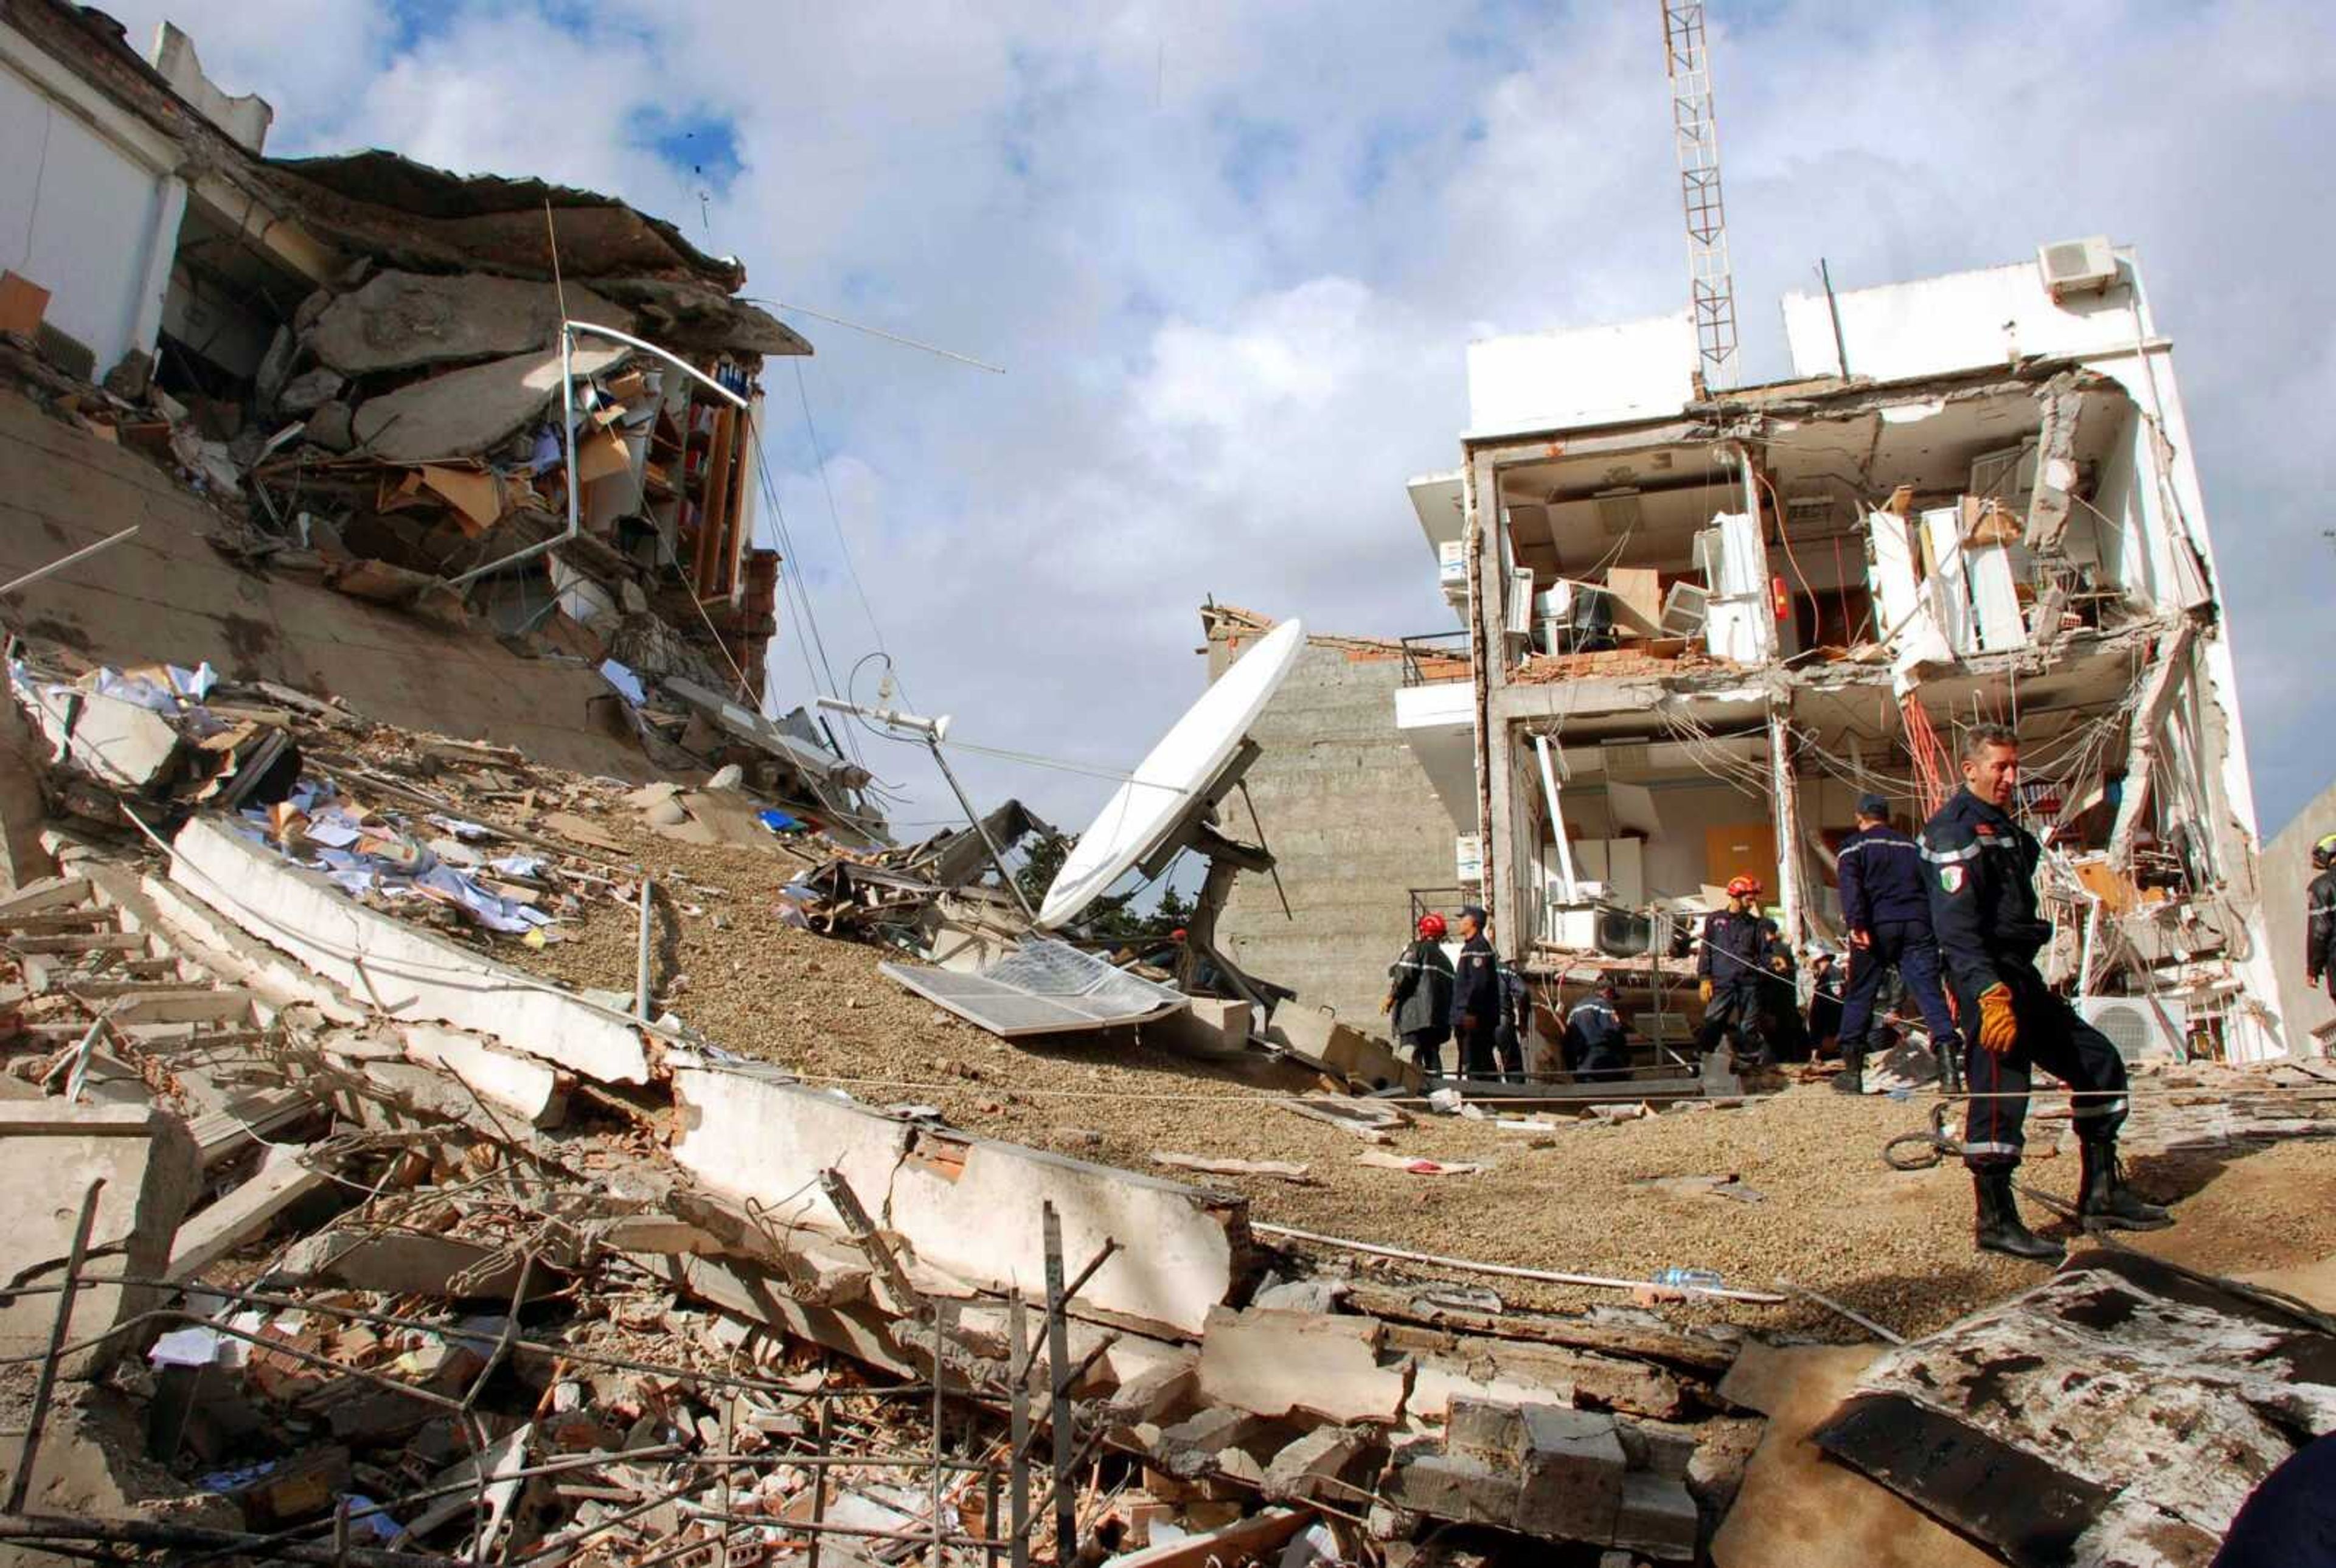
(1711, 288)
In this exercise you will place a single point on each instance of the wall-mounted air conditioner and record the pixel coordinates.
(2076, 266)
(1452, 565)
(1468, 860)
(1520, 604)
(2138, 1027)
(1685, 605)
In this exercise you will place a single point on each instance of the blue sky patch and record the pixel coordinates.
(696, 143)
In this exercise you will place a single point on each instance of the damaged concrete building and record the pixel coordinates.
(384, 373)
(1702, 624)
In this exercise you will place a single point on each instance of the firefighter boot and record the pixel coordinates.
(1999, 1229)
(2105, 1201)
(1851, 1079)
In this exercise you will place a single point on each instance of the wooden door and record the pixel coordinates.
(1740, 849)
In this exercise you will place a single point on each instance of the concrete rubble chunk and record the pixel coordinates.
(115, 741)
(1310, 1466)
(414, 976)
(464, 412)
(50, 1151)
(401, 320)
(1276, 1363)
(1573, 1467)
(92, 1464)
(756, 1135)
(310, 390)
(332, 426)
(527, 1088)
(398, 1263)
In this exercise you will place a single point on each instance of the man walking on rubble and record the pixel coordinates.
(1728, 967)
(2320, 917)
(1419, 996)
(1886, 903)
(1477, 998)
(1983, 911)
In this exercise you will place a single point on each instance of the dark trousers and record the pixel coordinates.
(1479, 1049)
(1427, 1049)
(1511, 1047)
(1910, 949)
(2051, 1037)
(1735, 1006)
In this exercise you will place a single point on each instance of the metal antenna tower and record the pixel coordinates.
(1695, 129)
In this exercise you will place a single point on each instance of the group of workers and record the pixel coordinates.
(1953, 915)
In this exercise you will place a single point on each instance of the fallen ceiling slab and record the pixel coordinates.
(1043, 988)
(2066, 1425)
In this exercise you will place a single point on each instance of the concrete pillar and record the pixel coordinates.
(22, 858)
(161, 251)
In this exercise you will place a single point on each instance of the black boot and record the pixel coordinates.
(1951, 1068)
(1851, 1079)
(1999, 1229)
(2105, 1201)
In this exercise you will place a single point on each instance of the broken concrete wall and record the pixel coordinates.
(968, 1206)
(50, 1153)
(1351, 818)
(405, 320)
(412, 975)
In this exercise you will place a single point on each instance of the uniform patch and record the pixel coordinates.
(1952, 879)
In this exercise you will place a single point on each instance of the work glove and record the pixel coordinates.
(1704, 990)
(1387, 1004)
(1861, 939)
(1999, 1029)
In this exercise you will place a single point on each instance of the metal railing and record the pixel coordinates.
(1433, 657)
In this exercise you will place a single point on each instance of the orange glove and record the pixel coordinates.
(1704, 990)
(1999, 1029)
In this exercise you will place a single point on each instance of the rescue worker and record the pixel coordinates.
(1983, 911)
(1477, 1000)
(1886, 905)
(1780, 998)
(1419, 996)
(1517, 1023)
(2320, 917)
(1596, 1045)
(1728, 966)
(1824, 1004)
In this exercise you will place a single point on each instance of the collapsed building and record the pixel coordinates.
(524, 410)
(1697, 625)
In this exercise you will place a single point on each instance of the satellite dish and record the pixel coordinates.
(1179, 772)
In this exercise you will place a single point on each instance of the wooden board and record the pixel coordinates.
(1739, 849)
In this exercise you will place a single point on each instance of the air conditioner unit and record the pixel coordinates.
(1520, 606)
(1685, 605)
(1554, 603)
(2136, 1026)
(1452, 564)
(2077, 265)
(1468, 858)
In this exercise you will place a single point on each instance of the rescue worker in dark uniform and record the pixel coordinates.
(1983, 911)
(1824, 1004)
(1780, 998)
(1886, 905)
(1728, 966)
(1596, 1047)
(1517, 1023)
(1477, 1000)
(2320, 917)
(1419, 996)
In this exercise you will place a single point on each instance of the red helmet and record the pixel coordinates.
(1432, 926)
(1744, 887)
(1177, 935)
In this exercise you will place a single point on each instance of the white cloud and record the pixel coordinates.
(1230, 254)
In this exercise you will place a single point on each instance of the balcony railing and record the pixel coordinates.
(1434, 657)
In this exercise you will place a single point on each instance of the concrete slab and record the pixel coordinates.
(243, 1214)
(529, 1089)
(966, 1206)
(1274, 1363)
(413, 975)
(464, 412)
(400, 320)
(50, 1151)
(115, 741)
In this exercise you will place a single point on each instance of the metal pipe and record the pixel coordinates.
(641, 958)
(997, 856)
(83, 553)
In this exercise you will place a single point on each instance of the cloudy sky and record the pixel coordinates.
(1229, 255)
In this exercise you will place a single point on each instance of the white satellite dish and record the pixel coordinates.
(1178, 774)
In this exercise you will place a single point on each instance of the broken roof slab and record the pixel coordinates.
(465, 411)
(402, 320)
(412, 975)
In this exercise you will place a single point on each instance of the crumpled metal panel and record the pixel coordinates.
(1043, 986)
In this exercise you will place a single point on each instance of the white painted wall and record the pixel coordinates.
(1439, 723)
(1581, 375)
(90, 216)
(1963, 321)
